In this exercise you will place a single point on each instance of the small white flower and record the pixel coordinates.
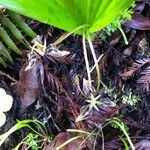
(6, 102)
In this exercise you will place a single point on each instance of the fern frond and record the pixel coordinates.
(6, 38)
(21, 24)
(2, 62)
(5, 53)
(16, 33)
(53, 82)
(11, 22)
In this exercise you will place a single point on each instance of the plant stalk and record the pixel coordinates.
(66, 35)
(124, 36)
(96, 63)
(86, 60)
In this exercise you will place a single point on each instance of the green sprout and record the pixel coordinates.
(130, 99)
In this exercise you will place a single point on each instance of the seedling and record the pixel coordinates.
(39, 131)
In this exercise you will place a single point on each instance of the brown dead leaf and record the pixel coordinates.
(143, 145)
(61, 138)
(127, 52)
(28, 85)
(127, 73)
(143, 43)
(139, 22)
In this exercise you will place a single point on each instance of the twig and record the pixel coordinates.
(8, 76)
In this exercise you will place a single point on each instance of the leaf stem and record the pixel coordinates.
(86, 60)
(66, 35)
(124, 36)
(95, 61)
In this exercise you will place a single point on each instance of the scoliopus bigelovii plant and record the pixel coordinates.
(83, 17)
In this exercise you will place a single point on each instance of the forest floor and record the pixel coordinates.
(54, 89)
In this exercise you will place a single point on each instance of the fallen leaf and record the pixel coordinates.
(61, 138)
(143, 145)
(127, 52)
(28, 85)
(127, 73)
(139, 22)
(143, 43)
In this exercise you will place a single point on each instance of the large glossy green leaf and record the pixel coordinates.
(69, 14)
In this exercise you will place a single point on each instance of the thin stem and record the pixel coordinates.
(96, 63)
(124, 36)
(63, 37)
(86, 60)
(8, 76)
(121, 125)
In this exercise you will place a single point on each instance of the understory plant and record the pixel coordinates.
(82, 17)
(38, 131)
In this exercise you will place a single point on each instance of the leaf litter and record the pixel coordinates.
(52, 81)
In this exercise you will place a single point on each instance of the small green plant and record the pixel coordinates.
(117, 24)
(32, 140)
(39, 130)
(81, 17)
(123, 128)
(130, 99)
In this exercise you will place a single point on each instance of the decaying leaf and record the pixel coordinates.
(61, 138)
(127, 52)
(139, 22)
(142, 145)
(138, 64)
(144, 81)
(143, 43)
(53, 82)
(128, 73)
(28, 85)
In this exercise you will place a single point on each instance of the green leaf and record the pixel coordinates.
(21, 24)
(15, 32)
(6, 38)
(5, 53)
(69, 14)
(2, 62)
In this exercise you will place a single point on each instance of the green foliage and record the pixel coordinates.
(21, 24)
(70, 14)
(32, 141)
(114, 125)
(117, 23)
(39, 130)
(10, 22)
(122, 127)
(130, 99)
